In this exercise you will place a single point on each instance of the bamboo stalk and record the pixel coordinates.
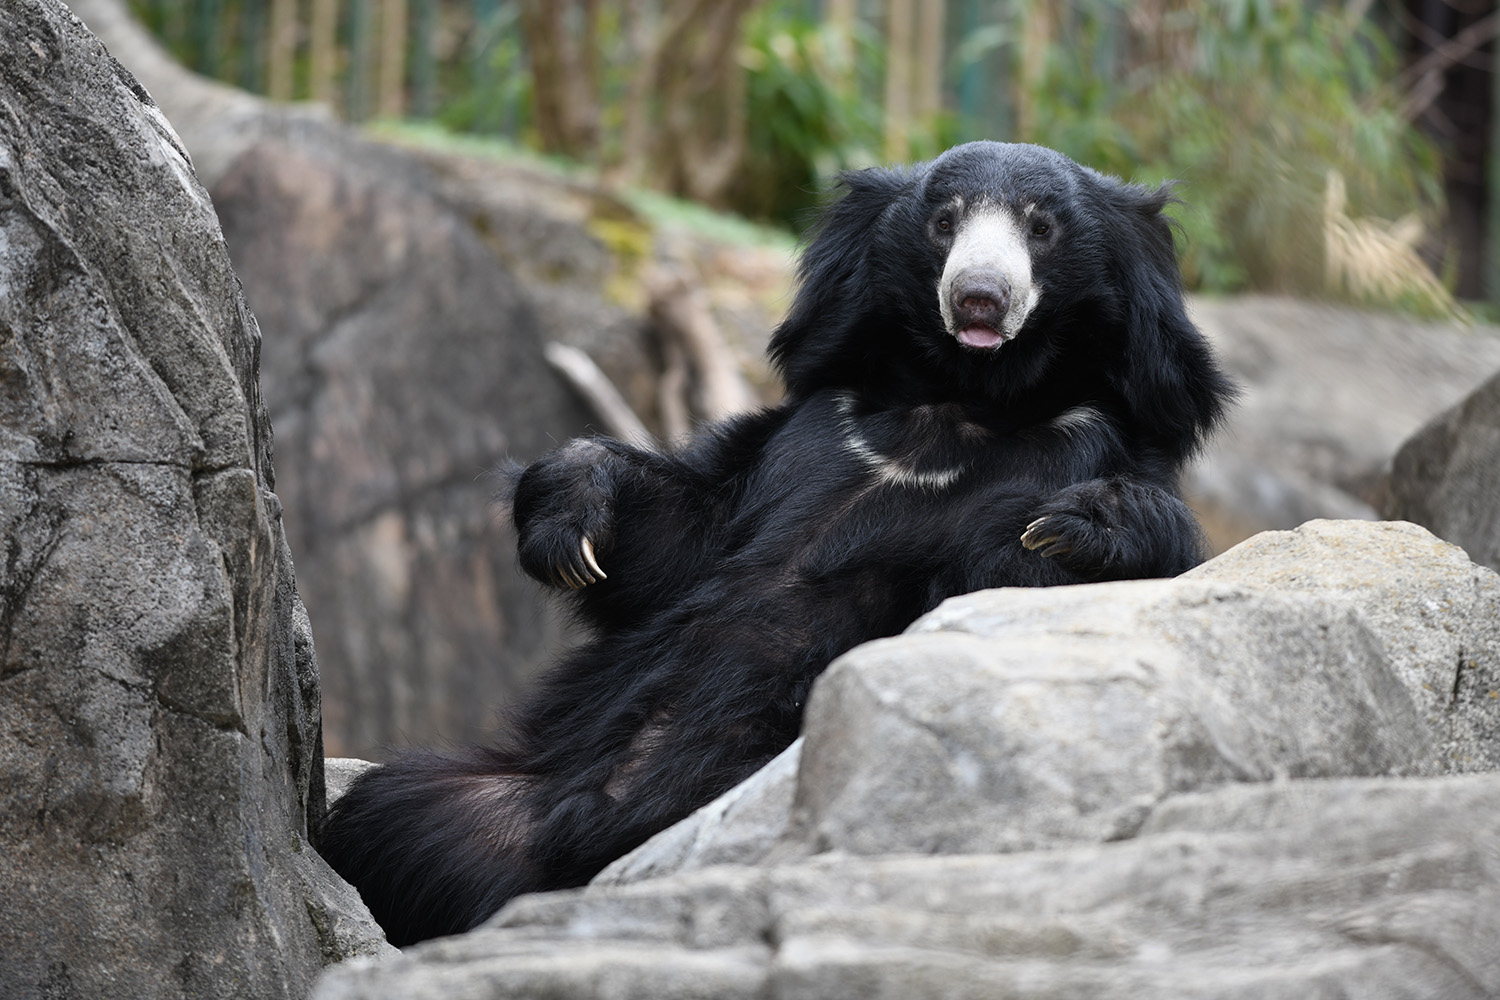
(322, 52)
(841, 16)
(361, 52)
(898, 77)
(391, 74)
(423, 61)
(204, 30)
(1036, 40)
(250, 52)
(927, 87)
(281, 49)
(1492, 178)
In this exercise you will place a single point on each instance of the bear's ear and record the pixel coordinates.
(834, 278)
(1170, 379)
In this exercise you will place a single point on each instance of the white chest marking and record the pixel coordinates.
(1077, 418)
(892, 471)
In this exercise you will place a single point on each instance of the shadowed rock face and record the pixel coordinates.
(1446, 477)
(1329, 394)
(1370, 888)
(160, 757)
(403, 363)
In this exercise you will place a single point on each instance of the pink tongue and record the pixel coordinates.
(979, 336)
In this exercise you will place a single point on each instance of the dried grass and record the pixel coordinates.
(1375, 262)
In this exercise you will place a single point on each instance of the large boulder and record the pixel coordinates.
(1016, 719)
(1435, 614)
(1077, 691)
(403, 364)
(1446, 476)
(161, 766)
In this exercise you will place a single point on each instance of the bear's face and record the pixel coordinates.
(987, 287)
(1004, 276)
(1004, 221)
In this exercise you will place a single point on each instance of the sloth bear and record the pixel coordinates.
(990, 382)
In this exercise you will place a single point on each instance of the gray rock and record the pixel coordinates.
(403, 363)
(1113, 791)
(1375, 888)
(1446, 477)
(160, 755)
(339, 773)
(1436, 615)
(739, 827)
(217, 122)
(405, 298)
(1014, 719)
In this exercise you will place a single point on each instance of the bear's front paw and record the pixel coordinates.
(1077, 542)
(1084, 528)
(563, 514)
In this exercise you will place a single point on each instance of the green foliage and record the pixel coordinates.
(1257, 102)
(491, 89)
(806, 113)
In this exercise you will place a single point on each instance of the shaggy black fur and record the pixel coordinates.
(904, 467)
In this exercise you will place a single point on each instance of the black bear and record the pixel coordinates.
(990, 382)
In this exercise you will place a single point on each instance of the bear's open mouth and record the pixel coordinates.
(979, 335)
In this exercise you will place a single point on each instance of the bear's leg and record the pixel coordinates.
(434, 843)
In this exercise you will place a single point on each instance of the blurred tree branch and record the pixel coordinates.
(565, 61)
(683, 124)
(1422, 81)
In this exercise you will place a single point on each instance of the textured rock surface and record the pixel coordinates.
(1013, 719)
(1436, 614)
(217, 122)
(1330, 394)
(402, 364)
(160, 758)
(1432, 613)
(1446, 477)
(339, 773)
(1142, 753)
(1373, 888)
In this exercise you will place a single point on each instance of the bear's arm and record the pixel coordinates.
(627, 527)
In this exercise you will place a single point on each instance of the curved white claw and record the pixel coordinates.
(1029, 537)
(587, 548)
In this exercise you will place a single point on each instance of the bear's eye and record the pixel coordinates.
(1040, 229)
(945, 225)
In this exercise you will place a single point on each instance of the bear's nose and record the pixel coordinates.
(980, 298)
